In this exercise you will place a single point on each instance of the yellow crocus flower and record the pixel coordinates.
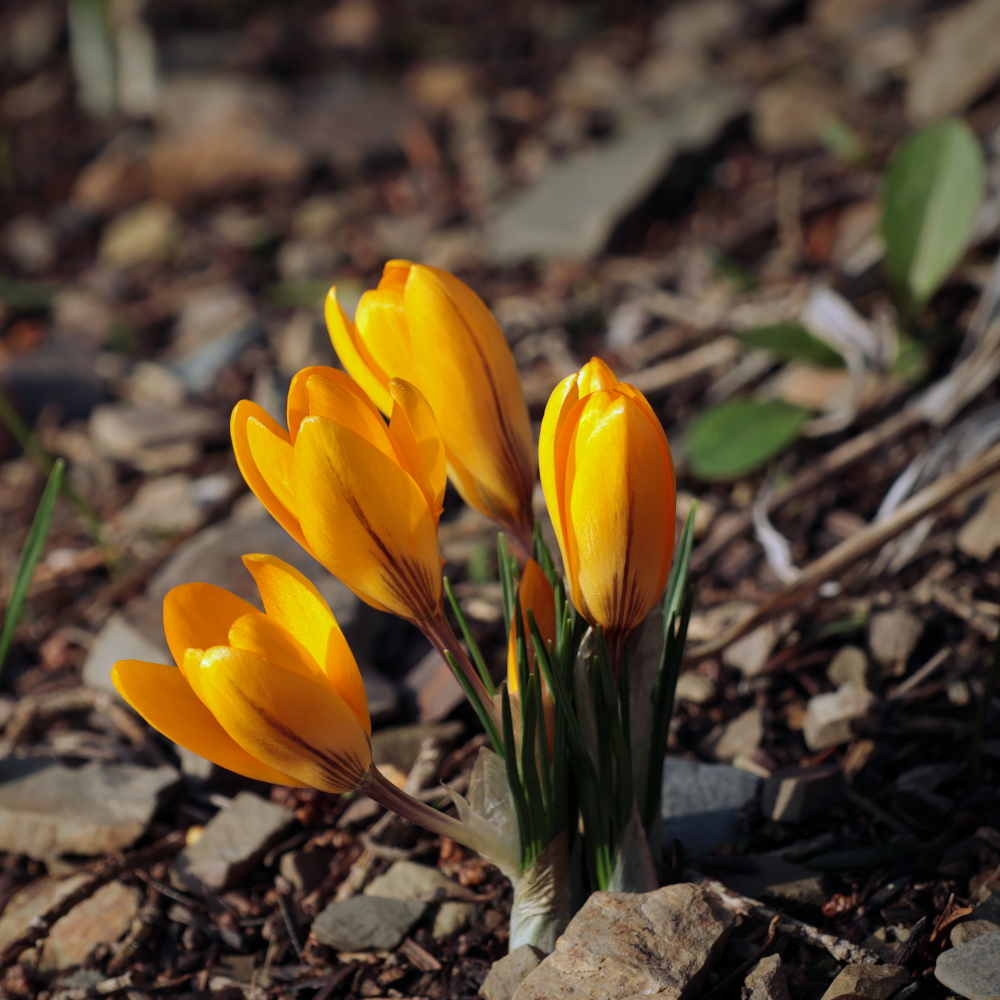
(425, 325)
(608, 480)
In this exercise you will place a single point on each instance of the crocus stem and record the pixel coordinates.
(443, 638)
(378, 788)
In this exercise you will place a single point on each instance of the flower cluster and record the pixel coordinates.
(358, 478)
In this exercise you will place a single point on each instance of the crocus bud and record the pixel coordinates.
(609, 486)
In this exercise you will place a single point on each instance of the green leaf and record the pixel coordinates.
(30, 555)
(729, 440)
(930, 197)
(791, 342)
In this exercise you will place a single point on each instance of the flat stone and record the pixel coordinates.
(794, 794)
(740, 737)
(433, 687)
(305, 869)
(101, 919)
(400, 745)
(750, 654)
(849, 665)
(163, 506)
(874, 982)
(233, 841)
(620, 944)
(118, 640)
(696, 688)
(973, 969)
(409, 880)
(892, 637)
(780, 880)
(32, 901)
(125, 431)
(701, 802)
(48, 809)
(452, 916)
(829, 716)
(507, 973)
(979, 537)
(366, 922)
(148, 232)
(572, 209)
(969, 930)
(766, 981)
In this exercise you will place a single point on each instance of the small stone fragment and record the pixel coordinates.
(409, 880)
(118, 640)
(48, 809)
(849, 665)
(750, 654)
(102, 919)
(432, 685)
(365, 922)
(624, 944)
(972, 970)
(794, 794)
(125, 431)
(452, 916)
(969, 930)
(400, 745)
(148, 232)
(829, 716)
(32, 901)
(305, 869)
(509, 972)
(738, 738)
(892, 637)
(788, 116)
(873, 982)
(778, 879)
(766, 981)
(979, 537)
(695, 687)
(234, 840)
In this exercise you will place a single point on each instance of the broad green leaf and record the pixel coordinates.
(736, 437)
(30, 554)
(930, 197)
(792, 342)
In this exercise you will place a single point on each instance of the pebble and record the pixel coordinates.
(233, 841)
(738, 738)
(101, 919)
(118, 640)
(623, 944)
(829, 716)
(979, 537)
(366, 922)
(849, 665)
(778, 879)
(766, 981)
(795, 794)
(127, 432)
(48, 809)
(701, 803)
(788, 115)
(452, 916)
(146, 233)
(409, 880)
(32, 901)
(433, 688)
(872, 982)
(973, 969)
(507, 973)
(161, 506)
(892, 637)
(400, 745)
(750, 654)
(969, 930)
(696, 688)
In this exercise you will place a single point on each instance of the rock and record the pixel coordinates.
(873, 982)
(634, 944)
(118, 640)
(234, 840)
(452, 917)
(979, 537)
(829, 716)
(695, 687)
(433, 688)
(701, 802)
(34, 900)
(961, 61)
(305, 869)
(400, 745)
(366, 922)
(48, 809)
(30, 242)
(128, 432)
(766, 981)
(849, 665)
(969, 930)
(151, 384)
(738, 738)
(161, 506)
(851, 19)
(101, 919)
(794, 794)
(145, 234)
(780, 880)
(409, 880)
(892, 637)
(507, 973)
(571, 210)
(749, 655)
(789, 115)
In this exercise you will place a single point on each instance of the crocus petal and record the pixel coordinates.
(564, 397)
(293, 723)
(295, 603)
(263, 453)
(367, 520)
(199, 615)
(417, 433)
(534, 594)
(162, 696)
(354, 354)
(257, 633)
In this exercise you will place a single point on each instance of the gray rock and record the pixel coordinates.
(874, 982)
(366, 922)
(305, 869)
(118, 640)
(829, 716)
(892, 637)
(400, 745)
(695, 687)
(125, 431)
(233, 841)
(794, 794)
(750, 654)
(780, 880)
(452, 917)
(738, 738)
(624, 944)
(101, 919)
(973, 969)
(48, 809)
(701, 802)
(507, 973)
(850, 665)
(766, 981)
(33, 901)
(409, 880)
(571, 211)
(432, 685)
(979, 537)
(969, 930)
